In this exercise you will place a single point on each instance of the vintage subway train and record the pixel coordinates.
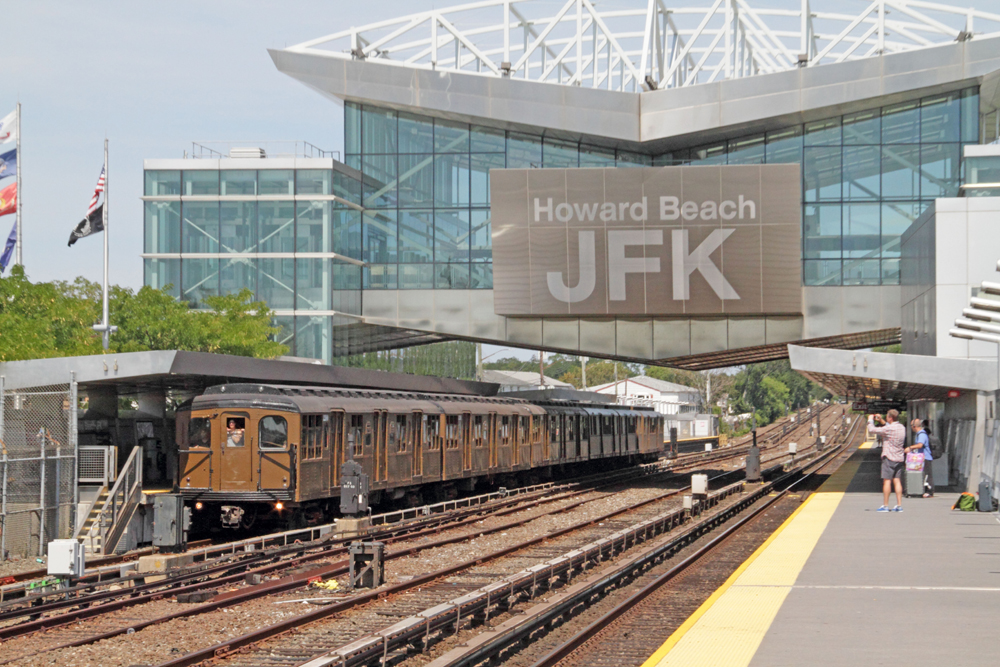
(250, 451)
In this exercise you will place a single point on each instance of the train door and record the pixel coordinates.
(236, 472)
(381, 427)
(496, 435)
(465, 435)
(418, 444)
(275, 462)
(336, 447)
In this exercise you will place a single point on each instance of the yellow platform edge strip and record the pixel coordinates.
(837, 483)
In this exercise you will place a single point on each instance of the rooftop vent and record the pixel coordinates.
(258, 153)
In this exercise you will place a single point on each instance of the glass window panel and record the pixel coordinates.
(823, 132)
(200, 280)
(378, 130)
(821, 173)
(238, 226)
(379, 237)
(313, 230)
(821, 271)
(862, 236)
(313, 283)
(379, 180)
(451, 235)
(285, 334)
(481, 276)
(862, 179)
(451, 276)
(276, 282)
(487, 140)
(352, 127)
(674, 158)
(451, 137)
(201, 182)
(900, 172)
(822, 231)
(276, 182)
(416, 134)
(238, 274)
(524, 151)
(162, 183)
(347, 187)
(785, 146)
(416, 276)
(714, 154)
(201, 226)
(560, 154)
(970, 115)
(451, 180)
(594, 156)
(862, 272)
(277, 226)
(863, 128)
(313, 181)
(901, 124)
(629, 159)
(749, 150)
(480, 237)
(890, 271)
(354, 162)
(896, 219)
(314, 337)
(940, 170)
(940, 119)
(346, 277)
(416, 237)
(479, 169)
(163, 274)
(416, 180)
(380, 276)
(162, 226)
(347, 232)
(238, 182)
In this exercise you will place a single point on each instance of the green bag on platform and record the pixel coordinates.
(966, 502)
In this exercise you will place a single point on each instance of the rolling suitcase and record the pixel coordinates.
(913, 476)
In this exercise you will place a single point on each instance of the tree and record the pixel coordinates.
(598, 373)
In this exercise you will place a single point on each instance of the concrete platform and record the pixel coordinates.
(843, 585)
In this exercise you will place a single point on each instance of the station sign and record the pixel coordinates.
(680, 241)
(878, 407)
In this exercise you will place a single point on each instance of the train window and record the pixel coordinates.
(521, 428)
(432, 429)
(536, 429)
(570, 431)
(200, 432)
(451, 431)
(477, 431)
(554, 428)
(273, 432)
(584, 428)
(631, 424)
(354, 436)
(505, 430)
(368, 438)
(236, 428)
(402, 435)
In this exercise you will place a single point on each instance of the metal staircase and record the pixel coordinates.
(109, 515)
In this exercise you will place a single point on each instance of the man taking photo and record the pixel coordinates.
(893, 457)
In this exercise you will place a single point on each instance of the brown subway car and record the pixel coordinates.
(254, 451)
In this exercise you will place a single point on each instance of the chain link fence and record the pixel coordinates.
(37, 468)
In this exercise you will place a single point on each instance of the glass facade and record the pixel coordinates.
(865, 177)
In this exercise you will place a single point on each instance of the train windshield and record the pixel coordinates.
(200, 432)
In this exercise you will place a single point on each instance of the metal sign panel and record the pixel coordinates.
(682, 241)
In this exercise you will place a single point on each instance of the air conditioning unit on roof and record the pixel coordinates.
(258, 153)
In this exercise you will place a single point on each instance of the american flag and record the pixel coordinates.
(97, 191)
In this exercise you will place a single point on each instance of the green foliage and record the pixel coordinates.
(511, 364)
(772, 389)
(455, 359)
(42, 320)
(598, 373)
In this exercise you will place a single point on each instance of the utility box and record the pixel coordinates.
(171, 521)
(353, 489)
(793, 447)
(699, 485)
(66, 558)
(708, 446)
(366, 564)
(753, 464)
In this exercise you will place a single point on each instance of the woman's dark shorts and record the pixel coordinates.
(892, 469)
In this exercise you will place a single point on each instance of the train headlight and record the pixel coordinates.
(279, 506)
(198, 506)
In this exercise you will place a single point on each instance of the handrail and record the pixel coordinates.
(120, 504)
(82, 516)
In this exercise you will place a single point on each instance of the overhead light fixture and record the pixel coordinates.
(977, 326)
(975, 335)
(984, 315)
(990, 288)
(985, 304)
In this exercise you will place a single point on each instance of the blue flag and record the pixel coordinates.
(8, 249)
(8, 163)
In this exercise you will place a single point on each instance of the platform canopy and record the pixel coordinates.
(861, 375)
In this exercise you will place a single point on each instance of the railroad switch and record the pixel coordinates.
(366, 564)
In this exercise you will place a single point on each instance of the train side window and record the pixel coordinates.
(477, 431)
(554, 428)
(273, 432)
(236, 429)
(402, 434)
(200, 432)
(505, 430)
(368, 438)
(312, 428)
(432, 425)
(354, 435)
(451, 431)
(584, 428)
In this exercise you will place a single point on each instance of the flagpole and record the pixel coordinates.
(20, 198)
(106, 330)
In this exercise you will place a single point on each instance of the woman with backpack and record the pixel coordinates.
(922, 444)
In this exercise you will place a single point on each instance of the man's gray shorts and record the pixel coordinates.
(892, 469)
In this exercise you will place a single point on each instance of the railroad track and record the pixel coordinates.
(297, 556)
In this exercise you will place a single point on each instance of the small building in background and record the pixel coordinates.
(681, 404)
(523, 380)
